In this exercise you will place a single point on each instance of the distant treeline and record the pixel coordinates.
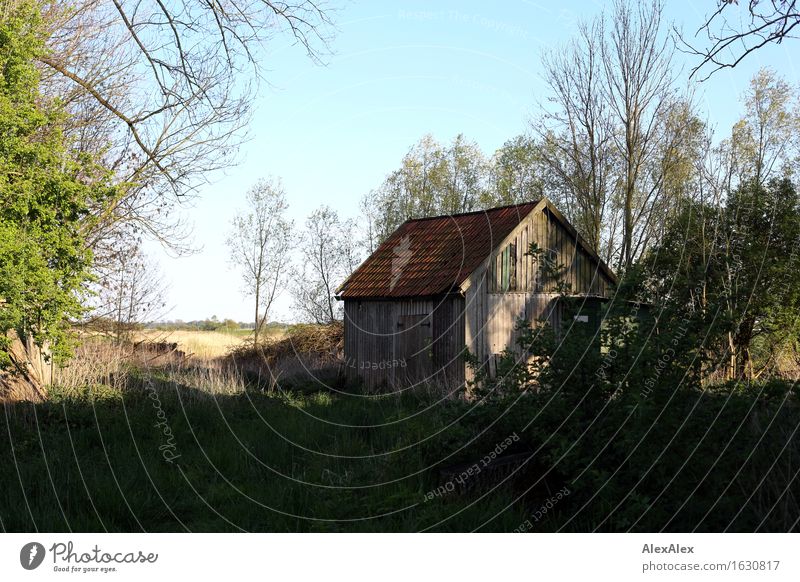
(210, 324)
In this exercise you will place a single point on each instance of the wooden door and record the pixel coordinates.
(413, 348)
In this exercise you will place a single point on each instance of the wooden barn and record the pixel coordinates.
(438, 285)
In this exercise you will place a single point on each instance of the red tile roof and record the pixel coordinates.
(431, 256)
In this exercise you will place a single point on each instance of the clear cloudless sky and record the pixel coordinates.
(398, 71)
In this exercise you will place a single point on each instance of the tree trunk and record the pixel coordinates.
(29, 373)
(742, 340)
(255, 329)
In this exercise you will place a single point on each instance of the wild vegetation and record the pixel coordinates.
(678, 413)
(324, 458)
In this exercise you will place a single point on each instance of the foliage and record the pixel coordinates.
(45, 196)
(373, 465)
(672, 460)
(617, 137)
(733, 269)
(162, 92)
(210, 324)
(516, 174)
(764, 141)
(550, 272)
(259, 244)
(435, 179)
(328, 256)
(620, 415)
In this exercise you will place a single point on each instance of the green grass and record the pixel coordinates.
(93, 460)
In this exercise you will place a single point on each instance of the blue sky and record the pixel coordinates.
(397, 72)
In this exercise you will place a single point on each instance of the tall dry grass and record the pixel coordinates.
(99, 362)
(204, 363)
(204, 345)
(96, 361)
(206, 378)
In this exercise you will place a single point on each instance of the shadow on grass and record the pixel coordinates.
(164, 456)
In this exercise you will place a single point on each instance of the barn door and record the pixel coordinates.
(413, 348)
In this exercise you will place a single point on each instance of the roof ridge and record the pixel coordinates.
(471, 212)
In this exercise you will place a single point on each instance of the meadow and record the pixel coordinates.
(130, 443)
(201, 450)
(204, 345)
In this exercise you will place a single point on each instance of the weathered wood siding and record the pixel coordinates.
(482, 317)
(449, 341)
(493, 304)
(581, 272)
(379, 346)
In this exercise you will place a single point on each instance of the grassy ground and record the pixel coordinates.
(175, 459)
(125, 444)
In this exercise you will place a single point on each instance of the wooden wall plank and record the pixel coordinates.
(483, 320)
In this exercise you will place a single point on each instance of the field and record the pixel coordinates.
(200, 344)
(131, 444)
(206, 344)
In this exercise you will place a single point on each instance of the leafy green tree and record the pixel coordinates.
(734, 269)
(516, 172)
(762, 280)
(432, 179)
(465, 172)
(764, 140)
(45, 194)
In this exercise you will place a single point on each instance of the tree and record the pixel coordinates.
(432, 179)
(639, 85)
(762, 241)
(576, 134)
(45, 197)
(328, 255)
(465, 171)
(129, 295)
(615, 129)
(516, 173)
(734, 269)
(161, 93)
(771, 21)
(764, 141)
(368, 222)
(259, 245)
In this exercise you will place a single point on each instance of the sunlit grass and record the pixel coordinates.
(199, 344)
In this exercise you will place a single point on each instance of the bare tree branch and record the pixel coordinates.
(730, 42)
(159, 92)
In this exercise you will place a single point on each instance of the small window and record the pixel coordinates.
(581, 318)
(503, 270)
(512, 266)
